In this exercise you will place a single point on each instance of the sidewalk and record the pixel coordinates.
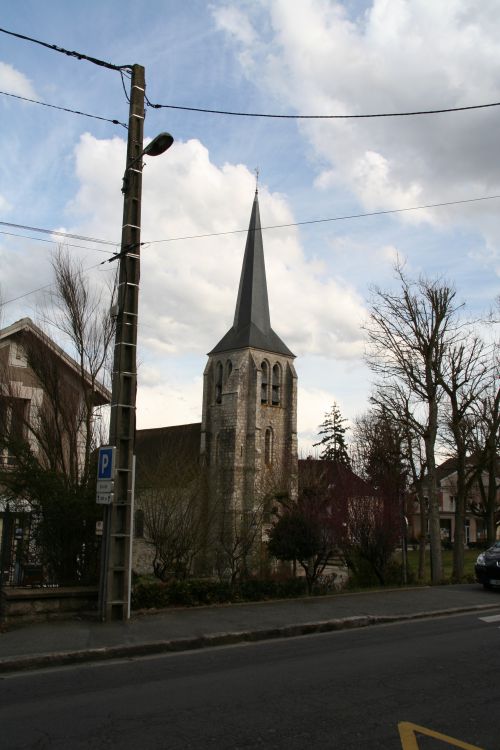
(56, 643)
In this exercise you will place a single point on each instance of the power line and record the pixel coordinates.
(70, 53)
(40, 288)
(53, 242)
(232, 231)
(335, 218)
(59, 234)
(64, 109)
(320, 117)
(240, 231)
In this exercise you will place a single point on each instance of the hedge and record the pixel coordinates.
(198, 592)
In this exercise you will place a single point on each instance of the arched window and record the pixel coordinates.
(264, 397)
(218, 383)
(268, 446)
(276, 390)
(229, 368)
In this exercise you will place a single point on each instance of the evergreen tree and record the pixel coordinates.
(333, 442)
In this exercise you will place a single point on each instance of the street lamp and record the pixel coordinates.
(116, 558)
(157, 146)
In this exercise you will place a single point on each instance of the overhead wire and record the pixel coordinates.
(54, 242)
(58, 233)
(218, 234)
(64, 109)
(306, 222)
(334, 218)
(121, 68)
(268, 115)
(69, 53)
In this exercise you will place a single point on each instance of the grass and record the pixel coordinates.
(470, 556)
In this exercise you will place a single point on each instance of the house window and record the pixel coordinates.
(13, 413)
(268, 446)
(218, 383)
(276, 391)
(229, 368)
(264, 398)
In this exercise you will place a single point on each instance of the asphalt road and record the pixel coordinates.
(346, 690)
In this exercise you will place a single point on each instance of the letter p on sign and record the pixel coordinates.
(106, 463)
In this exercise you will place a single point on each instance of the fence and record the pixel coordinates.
(22, 561)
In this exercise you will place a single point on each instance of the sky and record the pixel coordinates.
(61, 171)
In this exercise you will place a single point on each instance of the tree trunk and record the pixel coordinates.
(434, 518)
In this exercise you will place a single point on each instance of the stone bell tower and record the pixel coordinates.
(249, 422)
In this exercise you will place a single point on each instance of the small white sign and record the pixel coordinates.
(104, 487)
(99, 526)
(104, 498)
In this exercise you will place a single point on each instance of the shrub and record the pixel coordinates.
(199, 592)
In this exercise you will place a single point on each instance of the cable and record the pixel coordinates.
(320, 117)
(53, 242)
(127, 97)
(64, 109)
(40, 288)
(78, 55)
(335, 218)
(232, 231)
(240, 231)
(59, 234)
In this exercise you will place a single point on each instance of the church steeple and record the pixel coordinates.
(252, 323)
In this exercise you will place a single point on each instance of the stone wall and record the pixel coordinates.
(19, 605)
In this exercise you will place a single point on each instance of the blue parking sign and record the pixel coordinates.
(106, 463)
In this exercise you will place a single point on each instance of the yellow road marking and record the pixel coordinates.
(407, 735)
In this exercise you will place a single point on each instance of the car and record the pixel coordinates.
(488, 567)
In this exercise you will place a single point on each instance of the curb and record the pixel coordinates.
(129, 651)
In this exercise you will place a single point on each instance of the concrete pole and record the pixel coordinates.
(114, 589)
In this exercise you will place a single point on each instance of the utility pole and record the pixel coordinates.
(114, 590)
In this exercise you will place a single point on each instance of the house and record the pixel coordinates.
(475, 529)
(43, 395)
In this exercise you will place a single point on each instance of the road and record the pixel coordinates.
(346, 690)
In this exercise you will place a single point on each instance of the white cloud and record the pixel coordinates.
(233, 21)
(14, 82)
(402, 55)
(189, 287)
(5, 206)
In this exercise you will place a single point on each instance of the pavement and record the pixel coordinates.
(56, 643)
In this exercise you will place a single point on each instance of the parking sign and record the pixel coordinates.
(106, 463)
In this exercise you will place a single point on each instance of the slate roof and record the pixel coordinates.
(173, 452)
(252, 323)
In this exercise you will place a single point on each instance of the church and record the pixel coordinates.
(247, 440)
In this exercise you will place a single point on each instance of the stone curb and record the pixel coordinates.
(128, 651)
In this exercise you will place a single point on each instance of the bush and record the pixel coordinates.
(364, 577)
(199, 592)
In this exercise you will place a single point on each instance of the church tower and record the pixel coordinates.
(249, 422)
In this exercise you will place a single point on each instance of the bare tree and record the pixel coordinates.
(175, 526)
(409, 332)
(464, 378)
(237, 540)
(80, 314)
(486, 447)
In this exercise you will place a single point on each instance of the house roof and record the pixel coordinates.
(167, 452)
(252, 323)
(336, 474)
(26, 326)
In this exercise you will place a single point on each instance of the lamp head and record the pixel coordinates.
(158, 145)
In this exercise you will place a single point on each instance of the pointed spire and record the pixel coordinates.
(252, 324)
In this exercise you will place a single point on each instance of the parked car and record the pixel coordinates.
(488, 567)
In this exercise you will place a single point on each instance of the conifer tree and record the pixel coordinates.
(333, 442)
